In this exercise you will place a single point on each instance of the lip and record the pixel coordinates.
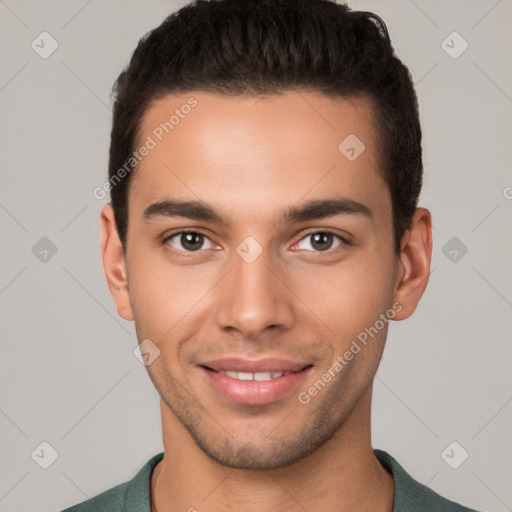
(252, 392)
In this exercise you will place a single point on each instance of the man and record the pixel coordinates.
(265, 169)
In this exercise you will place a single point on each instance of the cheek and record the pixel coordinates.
(348, 297)
(349, 291)
(163, 295)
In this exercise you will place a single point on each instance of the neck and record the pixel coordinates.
(342, 475)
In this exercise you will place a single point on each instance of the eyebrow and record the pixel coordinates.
(315, 209)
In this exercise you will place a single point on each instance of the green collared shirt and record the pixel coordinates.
(134, 495)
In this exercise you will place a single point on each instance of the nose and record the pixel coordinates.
(254, 298)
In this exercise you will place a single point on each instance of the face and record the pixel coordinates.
(258, 253)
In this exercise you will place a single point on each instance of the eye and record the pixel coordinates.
(189, 241)
(320, 241)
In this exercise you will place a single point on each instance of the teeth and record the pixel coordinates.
(259, 376)
(265, 375)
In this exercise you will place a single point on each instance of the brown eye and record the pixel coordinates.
(320, 241)
(189, 241)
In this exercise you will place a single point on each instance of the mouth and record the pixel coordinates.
(254, 382)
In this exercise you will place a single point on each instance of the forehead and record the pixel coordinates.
(264, 150)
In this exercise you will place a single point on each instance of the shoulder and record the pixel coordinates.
(412, 496)
(112, 500)
(131, 495)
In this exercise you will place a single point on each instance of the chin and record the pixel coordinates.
(273, 452)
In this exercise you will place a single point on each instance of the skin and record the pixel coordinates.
(251, 158)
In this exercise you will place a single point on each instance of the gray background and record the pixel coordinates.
(68, 374)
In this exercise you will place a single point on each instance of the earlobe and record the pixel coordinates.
(114, 263)
(414, 263)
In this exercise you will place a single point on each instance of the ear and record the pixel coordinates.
(114, 263)
(414, 263)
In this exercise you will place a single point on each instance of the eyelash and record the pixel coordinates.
(343, 241)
